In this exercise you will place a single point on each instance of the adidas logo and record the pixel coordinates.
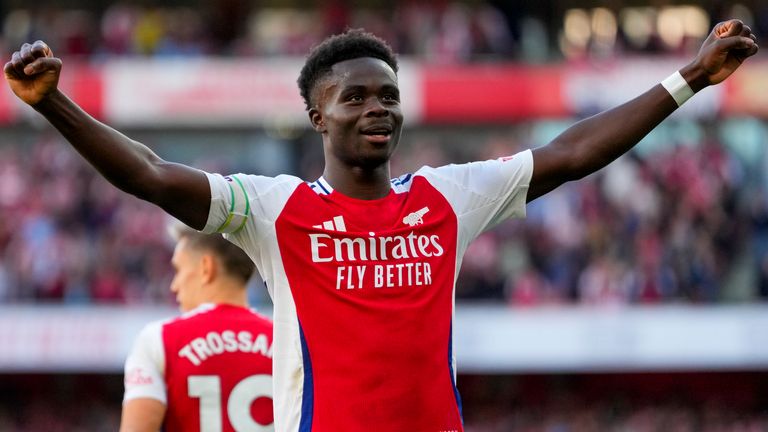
(335, 224)
(416, 218)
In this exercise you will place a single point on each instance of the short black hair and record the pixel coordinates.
(352, 44)
(236, 263)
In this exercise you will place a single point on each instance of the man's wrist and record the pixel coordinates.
(678, 88)
(695, 76)
(49, 101)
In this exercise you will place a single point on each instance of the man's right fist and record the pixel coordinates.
(33, 72)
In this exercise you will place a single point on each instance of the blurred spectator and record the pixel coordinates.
(67, 237)
(612, 403)
(688, 223)
(653, 228)
(645, 402)
(660, 228)
(443, 31)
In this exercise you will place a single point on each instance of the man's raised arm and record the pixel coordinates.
(593, 143)
(33, 75)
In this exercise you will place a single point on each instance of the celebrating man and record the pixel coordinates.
(362, 267)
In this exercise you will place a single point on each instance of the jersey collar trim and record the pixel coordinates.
(321, 187)
(402, 184)
(399, 185)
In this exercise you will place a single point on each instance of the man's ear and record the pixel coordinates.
(208, 268)
(316, 118)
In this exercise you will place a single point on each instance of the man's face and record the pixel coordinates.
(187, 283)
(358, 112)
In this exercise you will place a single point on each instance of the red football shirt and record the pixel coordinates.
(212, 367)
(364, 289)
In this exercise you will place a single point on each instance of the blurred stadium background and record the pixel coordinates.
(633, 300)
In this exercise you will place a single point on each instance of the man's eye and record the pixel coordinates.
(355, 98)
(390, 98)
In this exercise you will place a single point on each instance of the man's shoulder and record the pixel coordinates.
(218, 312)
(259, 183)
(190, 314)
(157, 325)
(150, 336)
(240, 312)
(459, 171)
(406, 182)
(260, 319)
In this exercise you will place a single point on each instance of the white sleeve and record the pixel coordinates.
(244, 208)
(485, 193)
(240, 201)
(145, 366)
(230, 204)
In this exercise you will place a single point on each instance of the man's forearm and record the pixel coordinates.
(142, 415)
(121, 160)
(598, 140)
(602, 138)
(131, 166)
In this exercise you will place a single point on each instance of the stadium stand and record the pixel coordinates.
(674, 233)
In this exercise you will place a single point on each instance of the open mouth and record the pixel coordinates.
(381, 131)
(378, 134)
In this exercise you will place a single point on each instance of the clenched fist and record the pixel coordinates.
(726, 47)
(33, 72)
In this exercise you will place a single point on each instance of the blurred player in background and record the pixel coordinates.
(362, 267)
(211, 368)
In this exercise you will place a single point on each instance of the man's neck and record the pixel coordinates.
(360, 183)
(235, 296)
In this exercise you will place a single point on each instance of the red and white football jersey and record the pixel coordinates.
(364, 289)
(212, 367)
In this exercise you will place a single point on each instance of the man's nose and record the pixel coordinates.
(375, 108)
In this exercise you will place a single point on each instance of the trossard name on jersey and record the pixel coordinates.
(216, 343)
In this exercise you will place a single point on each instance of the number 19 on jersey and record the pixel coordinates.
(208, 389)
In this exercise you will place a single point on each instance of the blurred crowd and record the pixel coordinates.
(679, 225)
(682, 220)
(523, 403)
(66, 235)
(60, 403)
(438, 31)
(684, 223)
(447, 31)
(615, 403)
